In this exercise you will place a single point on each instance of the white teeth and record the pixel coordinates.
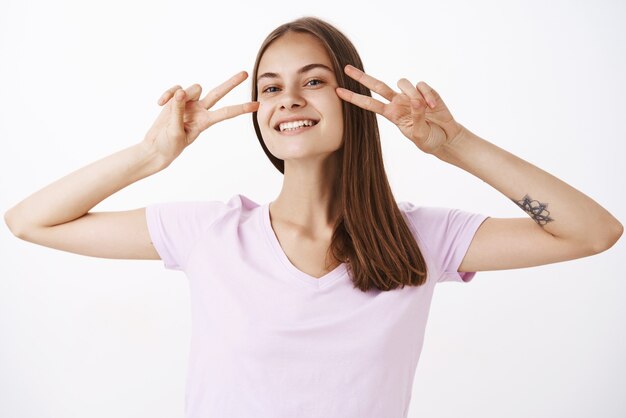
(295, 125)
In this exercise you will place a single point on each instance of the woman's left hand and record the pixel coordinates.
(418, 111)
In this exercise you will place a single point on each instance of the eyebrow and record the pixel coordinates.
(302, 70)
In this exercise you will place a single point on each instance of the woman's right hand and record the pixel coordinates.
(184, 117)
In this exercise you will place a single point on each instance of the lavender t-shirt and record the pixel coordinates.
(270, 341)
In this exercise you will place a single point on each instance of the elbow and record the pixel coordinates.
(8, 221)
(609, 239)
(15, 228)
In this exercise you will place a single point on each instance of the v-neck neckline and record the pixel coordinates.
(333, 275)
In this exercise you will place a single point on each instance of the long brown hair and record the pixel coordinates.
(370, 235)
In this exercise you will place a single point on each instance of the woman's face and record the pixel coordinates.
(296, 82)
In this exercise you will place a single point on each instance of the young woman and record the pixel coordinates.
(314, 304)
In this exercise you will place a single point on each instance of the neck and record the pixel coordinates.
(309, 198)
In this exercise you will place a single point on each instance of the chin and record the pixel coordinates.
(303, 154)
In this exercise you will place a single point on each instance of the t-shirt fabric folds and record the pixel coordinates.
(270, 341)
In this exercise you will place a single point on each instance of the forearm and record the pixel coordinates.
(559, 208)
(75, 194)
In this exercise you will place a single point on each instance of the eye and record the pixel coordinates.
(316, 82)
(266, 90)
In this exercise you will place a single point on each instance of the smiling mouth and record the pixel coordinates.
(296, 129)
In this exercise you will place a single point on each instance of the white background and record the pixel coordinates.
(87, 337)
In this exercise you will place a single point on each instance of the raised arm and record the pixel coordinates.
(58, 216)
(564, 223)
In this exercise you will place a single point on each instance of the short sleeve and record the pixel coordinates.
(175, 228)
(447, 234)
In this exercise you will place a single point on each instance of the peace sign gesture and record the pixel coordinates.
(185, 116)
(418, 111)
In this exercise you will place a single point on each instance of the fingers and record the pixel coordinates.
(407, 88)
(227, 113)
(167, 95)
(370, 82)
(432, 97)
(415, 97)
(420, 92)
(181, 97)
(193, 92)
(232, 111)
(365, 102)
(178, 110)
(220, 91)
(418, 102)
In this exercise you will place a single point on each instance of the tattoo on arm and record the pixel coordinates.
(535, 209)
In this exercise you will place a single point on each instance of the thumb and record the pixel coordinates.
(179, 106)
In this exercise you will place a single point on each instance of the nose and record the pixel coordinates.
(291, 98)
